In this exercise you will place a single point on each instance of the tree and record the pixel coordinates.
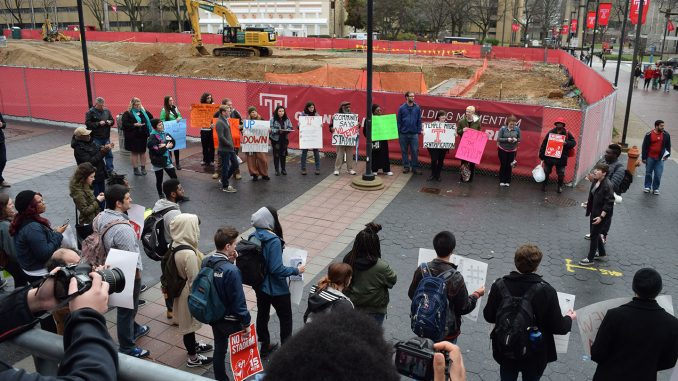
(533, 8)
(133, 10)
(14, 8)
(481, 14)
(176, 7)
(458, 15)
(548, 14)
(357, 14)
(436, 15)
(97, 9)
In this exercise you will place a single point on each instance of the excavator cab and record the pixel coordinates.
(231, 34)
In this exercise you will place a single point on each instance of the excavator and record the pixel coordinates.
(237, 42)
(51, 34)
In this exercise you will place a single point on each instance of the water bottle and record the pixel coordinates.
(535, 337)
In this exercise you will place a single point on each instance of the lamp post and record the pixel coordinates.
(636, 47)
(622, 39)
(85, 60)
(593, 41)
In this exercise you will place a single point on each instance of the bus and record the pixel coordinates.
(460, 40)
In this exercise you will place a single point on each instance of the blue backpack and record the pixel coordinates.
(203, 301)
(428, 312)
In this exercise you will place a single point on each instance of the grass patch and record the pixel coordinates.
(625, 57)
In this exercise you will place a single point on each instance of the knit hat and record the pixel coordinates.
(647, 283)
(23, 200)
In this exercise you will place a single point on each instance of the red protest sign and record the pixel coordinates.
(554, 146)
(633, 12)
(670, 26)
(591, 20)
(245, 359)
(604, 10)
(472, 146)
(564, 30)
(573, 25)
(515, 27)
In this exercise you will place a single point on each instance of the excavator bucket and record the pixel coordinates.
(202, 51)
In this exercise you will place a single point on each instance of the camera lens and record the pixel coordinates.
(115, 279)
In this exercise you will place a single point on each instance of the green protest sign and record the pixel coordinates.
(384, 127)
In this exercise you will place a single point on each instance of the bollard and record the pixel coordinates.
(633, 162)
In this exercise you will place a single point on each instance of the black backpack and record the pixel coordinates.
(153, 234)
(251, 261)
(626, 181)
(170, 279)
(515, 318)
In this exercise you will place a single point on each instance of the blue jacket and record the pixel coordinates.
(228, 282)
(409, 119)
(35, 243)
(275, 281)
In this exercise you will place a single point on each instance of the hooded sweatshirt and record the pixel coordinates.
(163, 204)
(325, 301)
(120, 236)
(185, 230)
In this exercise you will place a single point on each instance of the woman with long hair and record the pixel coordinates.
(159, 144)
(280, 127)
(136, 125)
(206, 135)
(437, 154)
(8, 254)
(328, 295)
(380, 160)
(80, 188)
(372, 276)
(310, 110)
(171, 112)
(257, 162)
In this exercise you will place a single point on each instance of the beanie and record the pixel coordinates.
(647, 283)
(23, 200)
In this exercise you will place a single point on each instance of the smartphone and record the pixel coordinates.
(66, 222)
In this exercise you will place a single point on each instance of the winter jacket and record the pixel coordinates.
(615, 174)
(275, 281)
(85, 202)
(601, 199)
(409, 119)
(6, 240)
(35, 243)
(570, 143)
(464, 123)
(504, 135)
(2, 129)
(666, 145)
(120, 236)
(167, 218)
(92, 119)
(228, 282)
(458, 299)
(547, 317)
(160, 157)
(185, 230)
(635, 341)
(277, 126)
(224, 135)
(321, 302)
(166, 116)
(135, 137)
(90, 152)
(369, 288)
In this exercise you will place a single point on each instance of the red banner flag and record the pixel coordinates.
(591, 20)
(114, 8)
(604, 10)
(573, 26)
(633, 12)
(515, 27)
(670, 26)
(564, 30)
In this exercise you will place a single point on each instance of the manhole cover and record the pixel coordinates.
(561, 202)
(430, 190)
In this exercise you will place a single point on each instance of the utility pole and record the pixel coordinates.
(666, 29)
(107, 23)
(85, 60)
(595, 26)
(636, 47)
(622, 39)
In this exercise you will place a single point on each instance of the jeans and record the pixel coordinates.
(411, 142)
(108, 159)
(316, 156)
(126, 324)
(3, 160)
(379, 318)
(171, 172)
(505, 169)
(279, 153)
(99, 187)
(207, 142)
(507, 374)
(596, 241)
(190, 344)
(656, 167)
(283, 307)
(229, 163)
(221, 330)
(668, 84)
(560, 171)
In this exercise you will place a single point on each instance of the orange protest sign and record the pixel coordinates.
(554, 146)
(235, 132)
(202, 114)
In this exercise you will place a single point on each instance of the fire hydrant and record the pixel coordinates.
(633, 161)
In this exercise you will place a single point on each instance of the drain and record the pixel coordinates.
(561, 202)
(430, 190)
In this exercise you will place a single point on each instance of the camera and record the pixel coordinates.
(414, 358)
(62, 278)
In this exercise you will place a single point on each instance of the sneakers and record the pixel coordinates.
(406, 170)
(215, 175)
(586, 262)
(138, 353)
(317, 171)
(169, 314)
(655, 192)
(587, 236)
(238, 176)
(200, 360)
(143, 288)
(229, 189)
(352, 172)
(646, 190)
(143, 330)
(3, 283)
(201, 347)
(284, 172)
(599, 257)
(142, 302)
(336, 173)
(389, 173)
(303, 172)
(504, 184)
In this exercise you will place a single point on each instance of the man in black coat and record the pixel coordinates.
(561, 162)
(639, 338)
(99, 120)
(548, 318)
(599, 209)
(86, 150)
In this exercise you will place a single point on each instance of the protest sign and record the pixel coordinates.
(136, 218)
(244, 354)
(590, 317)
(554, 146)
(346, 129)
(176, 128)
(126, 261)
(440, 135)
(384, 127)
(566, 302)
(235, 132)
(202, 114)
(293, 257)
(471, 146)
(255, 136)
(310, 132)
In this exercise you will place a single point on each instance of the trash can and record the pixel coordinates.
(16, 33)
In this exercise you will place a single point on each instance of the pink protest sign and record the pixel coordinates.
(472, 146)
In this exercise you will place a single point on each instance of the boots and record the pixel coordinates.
(560, 183)
(137, 171)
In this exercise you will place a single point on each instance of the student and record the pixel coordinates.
(280, 128)
(171, 112)
(437, 154)
(310, 110)
(508, 139)
(328, 296)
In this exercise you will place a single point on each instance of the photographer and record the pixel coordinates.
(89, 350)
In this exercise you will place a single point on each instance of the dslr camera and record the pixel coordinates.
(62, 278)
(414, 358)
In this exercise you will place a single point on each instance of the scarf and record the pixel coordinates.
(138, 118)
(163, 137)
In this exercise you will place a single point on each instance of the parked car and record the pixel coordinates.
(673, 62)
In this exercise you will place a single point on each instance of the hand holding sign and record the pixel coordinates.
(346, 130)
(472, 146)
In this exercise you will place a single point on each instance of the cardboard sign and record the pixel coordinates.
(472, 146)
(555, 145)
(176, 128)
(244, 354)
(590, 317)
(384, 127)
(127, 262)
(136, 218)
(235, 132)
(310, 132)
(202, 115)
(440, 135)
(346, 128)
(566, 302)
(293, 257)
(255, 135)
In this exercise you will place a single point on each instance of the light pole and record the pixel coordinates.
(622, 39)
(593, 41)
(85, 61)
(636, 47)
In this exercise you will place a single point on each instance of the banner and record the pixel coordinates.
(573, 26)
(515, 27)
(310, 132)
(472, 146)
(384, 127)
(244, 354)
(176, 128)
(591, 20)
(633, 12)
(564, 30)
(235, 132)
(670, 27)
(255, 135)
(604, 11)
(346, 128)
(554, 146)
(202, 115)
(440, 135)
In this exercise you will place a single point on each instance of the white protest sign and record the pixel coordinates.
(310, 132)
(590, 317)
(293, 257)
(566, 302)
(473, 271)
(254, 136)
(136, 218)
(440, 135)
(127, 262)
(346, 128)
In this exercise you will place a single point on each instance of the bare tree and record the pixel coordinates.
(436, 14)
(549, 14)
(458, 10)
(176, 9)
(391, 17)
(481, 14)
(97, 9)
(14, 8)
(133, 10)
(533, 8)
(48, 6)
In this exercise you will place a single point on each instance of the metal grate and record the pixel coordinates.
(561, 202)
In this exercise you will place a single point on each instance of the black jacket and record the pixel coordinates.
(635, 341)
(324, 302)
(601, 200)
(90, 152)
(92, 119)
(570, 143)
(547, 316)
(2, 129)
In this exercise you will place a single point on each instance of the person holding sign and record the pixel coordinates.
(557, 152)
(280, 127)
(136, 125)
(171, 112)
(438, 154)
(310, 110)
(343, 150)
(507, 146)
(380, 159)
(206, 137)
(159, 144)
(409, 128)
(257, 162)
(472, 121)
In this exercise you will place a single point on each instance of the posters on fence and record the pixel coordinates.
(346, 128)
(244, 352)
(554, 146)
(440, 135)
(127, 262)
(472, 146)
(255, 135)
(293, 257)
(202, 114)
(384, 127)
(310, 132)
(590, 317)
(176, 128)
(473, 271)
(566, 302)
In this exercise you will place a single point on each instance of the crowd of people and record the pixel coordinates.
(658, 76)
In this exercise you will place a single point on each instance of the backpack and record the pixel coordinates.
(93, 250)
(626, 181)
(515, 318)
(251, 261)
(203, 301)
(428, 312)
(153, 234)
(170, 278)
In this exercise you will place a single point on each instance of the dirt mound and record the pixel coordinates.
(66, 55)
(154, 63)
